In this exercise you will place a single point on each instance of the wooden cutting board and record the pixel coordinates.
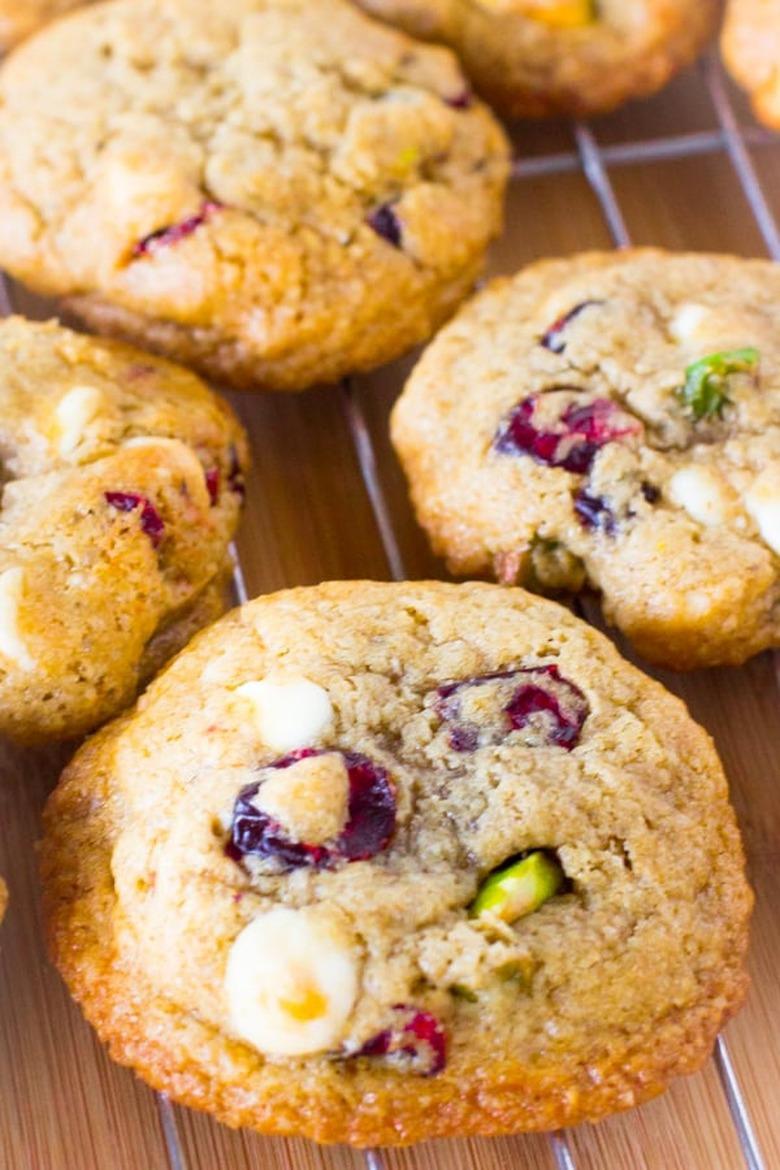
(326, 500)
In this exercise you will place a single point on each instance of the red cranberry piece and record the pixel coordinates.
(415, 1042)
(520, 696)
(460, 101)
(581, 432)
(175, 232)
(151, 521)
(554, 339)
(595, 512)
(212, 484)
(236, 474)
(139, 370)
(464, 739)
(567, 716)
(386, 224)
(369, 828)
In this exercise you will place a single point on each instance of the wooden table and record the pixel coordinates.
(326, 500)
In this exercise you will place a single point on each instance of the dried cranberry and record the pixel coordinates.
(369, 828)
(595, 512)
(139, 370)
(236, 474)
(461, 101)
(553, 339)
(175, 232)
(581, 432)
(464, 739)
(151, 521)
(520, 695)
(415, 1042)
(212, 484)
(386, 224)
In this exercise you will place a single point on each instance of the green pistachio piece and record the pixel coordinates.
(461, 991)
(519, 888)
(520, 972)
(552, 566)
(706, 381)
(408, 158)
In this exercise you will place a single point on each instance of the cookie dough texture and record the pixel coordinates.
(113, 549)
(751, 50)
(203, 178)
(590, 1005)
(527, 61)
(677, 522)
(19, 18)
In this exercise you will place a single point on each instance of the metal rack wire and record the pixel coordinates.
(594, 161)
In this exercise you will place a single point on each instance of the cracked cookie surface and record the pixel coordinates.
(538, 57)
(374, 863)
(276, 192)
(751, 49)
(121, 489)
(615, 419)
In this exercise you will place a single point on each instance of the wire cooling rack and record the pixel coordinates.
(594, 160)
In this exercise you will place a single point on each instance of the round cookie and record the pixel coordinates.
(750, 43)
(19, 18)
(122, 485)
(613, 419)
(531, 58)
(276, 192)
(375, 863)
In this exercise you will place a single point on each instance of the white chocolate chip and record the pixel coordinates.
(291, 981)
(697, 602)
(74, 412)
(12, 645)
(151, 441)
(309, 799)
(685, 325)
(703, 494)
(762, 501)
(289, 713)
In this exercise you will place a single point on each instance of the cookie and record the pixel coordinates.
(613, 420)
(750, 44)
(276, 192)
(19, 18)
(123, 479)
(531, 58)
(375, 863)
(3, 898)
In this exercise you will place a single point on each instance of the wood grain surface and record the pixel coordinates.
(326, 500)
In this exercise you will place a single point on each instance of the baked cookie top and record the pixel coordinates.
(613, 419)
(537, 57)
(19, 18)
(275, 191)
(751, 49)
(374, 863)
(122, 483)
